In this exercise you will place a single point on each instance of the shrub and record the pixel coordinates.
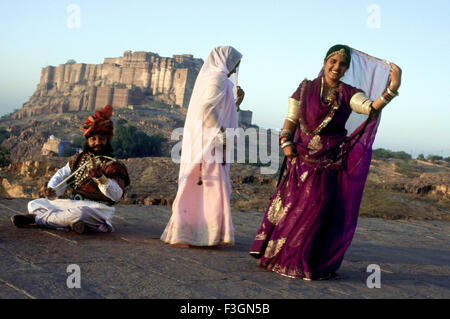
(78, 142)
(381, 153)
(433, 158)
(3, 134)
(129, 142)
(5, 157)
(69, 151)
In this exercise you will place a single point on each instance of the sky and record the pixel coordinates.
(282, 43)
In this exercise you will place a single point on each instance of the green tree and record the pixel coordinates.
(71, 61)
(433, 158)
(120, 122)
(69, 151)
(401, 155)
(421, 157)
(129, 142)
(4, 134)
(5, 157)
(381, 153)
(78, 142)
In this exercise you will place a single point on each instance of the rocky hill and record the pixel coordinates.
(132, 79)
(28, 135)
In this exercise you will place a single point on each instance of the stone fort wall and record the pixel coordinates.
(123, 80)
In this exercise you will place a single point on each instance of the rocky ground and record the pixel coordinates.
(132, 262)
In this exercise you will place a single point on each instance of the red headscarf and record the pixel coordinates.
(99, 123)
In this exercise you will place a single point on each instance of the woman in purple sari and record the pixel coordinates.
(312, 215)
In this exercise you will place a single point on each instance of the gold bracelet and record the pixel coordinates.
(286, 144)
(383, 100)
(102, 180)
(286, 133)
(392, 93)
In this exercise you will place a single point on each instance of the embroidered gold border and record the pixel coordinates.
(274, 247)
(325, 121)
(277, 210)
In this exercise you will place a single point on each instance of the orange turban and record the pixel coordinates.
(99, 123)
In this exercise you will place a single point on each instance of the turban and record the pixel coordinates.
(99, 123)
(339, 49)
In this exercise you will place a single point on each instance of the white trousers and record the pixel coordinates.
(60, 213)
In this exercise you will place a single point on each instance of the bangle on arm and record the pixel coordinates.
(388, 95)
(285, 135)
(392, 93)
(293, 111)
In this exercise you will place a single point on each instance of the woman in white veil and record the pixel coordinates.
(201, 213)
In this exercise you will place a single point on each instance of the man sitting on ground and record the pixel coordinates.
(95, 178)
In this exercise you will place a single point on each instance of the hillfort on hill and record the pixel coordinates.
(123, 81)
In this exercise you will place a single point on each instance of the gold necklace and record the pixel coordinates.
(334, 104)
(330, 94)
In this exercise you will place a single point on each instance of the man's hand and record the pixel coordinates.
(95, 171)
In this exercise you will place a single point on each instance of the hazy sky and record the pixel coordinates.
(282, 43)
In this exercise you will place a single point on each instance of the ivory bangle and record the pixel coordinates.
(293, 110)
(286, 144)
(393, 94)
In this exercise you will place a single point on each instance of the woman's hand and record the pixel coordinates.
(290, 151)
(240, 96)
(395, 74)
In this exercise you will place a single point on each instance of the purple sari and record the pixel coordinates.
(312, 215)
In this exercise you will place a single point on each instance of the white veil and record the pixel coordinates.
(211, 107)
(369, 74)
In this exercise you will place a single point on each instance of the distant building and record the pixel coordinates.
(55, 145)
(245, 117)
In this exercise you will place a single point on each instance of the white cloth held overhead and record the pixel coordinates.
(363, 70)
